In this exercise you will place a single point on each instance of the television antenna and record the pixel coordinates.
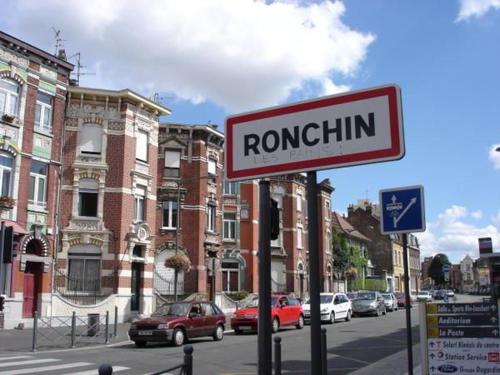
(79, 67)
(59, 40)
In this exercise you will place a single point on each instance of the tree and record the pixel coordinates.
(436, 268)
(341, 255)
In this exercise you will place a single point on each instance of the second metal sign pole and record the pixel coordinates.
(314, 280)
(409, 341)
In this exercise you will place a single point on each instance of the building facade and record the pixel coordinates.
(33, 85)
(467, 271)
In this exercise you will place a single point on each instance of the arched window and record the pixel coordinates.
(6, 163)
(9, 96)
(90, 139)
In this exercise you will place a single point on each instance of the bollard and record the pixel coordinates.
(323, 352)
(35, 329)
(277, 355)
(106, 329)
(188, 359)
(73, 329)
(105, 370)
(115, 328)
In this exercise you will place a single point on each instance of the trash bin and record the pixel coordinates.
(93, 324)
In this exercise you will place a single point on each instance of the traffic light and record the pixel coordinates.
(275, 220)
(8, 242)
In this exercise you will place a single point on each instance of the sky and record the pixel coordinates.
(208, 59)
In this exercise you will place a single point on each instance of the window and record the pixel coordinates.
(211, 212)
(172, 163)
(9, 96)
(43, 111)
(87, 204)
(139, 198)
(141, 148)
(38, 184)
(231, 188)
(229, 226)
(299, 201)
(90, 139)
(327, 209)
(299, 237)
(230, 276)
(170, 213)
(84, 274)
(6, 162)
(212, 167)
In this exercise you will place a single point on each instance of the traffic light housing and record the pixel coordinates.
(8, 244)
(275, 220)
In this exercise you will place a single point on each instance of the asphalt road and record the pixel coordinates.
(350, 346)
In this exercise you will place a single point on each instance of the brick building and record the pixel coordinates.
(108, 202)
(33, 86)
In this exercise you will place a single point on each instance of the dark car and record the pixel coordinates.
(285, 311)
(179, 321)
(369, 303)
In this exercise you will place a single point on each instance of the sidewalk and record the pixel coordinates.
(20, 340)
(395, 364)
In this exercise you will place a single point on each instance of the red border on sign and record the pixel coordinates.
(394, 152)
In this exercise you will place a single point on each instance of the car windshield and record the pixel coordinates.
(366, 296)
(351, 295)
(325, 299)
(424, 292)
(386, 295)
(175, 309)
(255, 302)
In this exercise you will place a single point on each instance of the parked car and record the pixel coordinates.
(285, 311)
(450, 293)
(369, 303)
(424, 295)
(174, 323)
(390, 300)
(333, 306)
(402, 299)
(352, 295)
(440, 294)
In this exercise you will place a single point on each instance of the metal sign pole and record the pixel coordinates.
(264, 341)
(314, 280)
(409, 341)
(3, 267)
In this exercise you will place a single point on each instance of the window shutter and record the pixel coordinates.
(91, 139)
(141, 151)
(172, 159)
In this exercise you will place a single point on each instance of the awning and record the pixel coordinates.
(17, 228)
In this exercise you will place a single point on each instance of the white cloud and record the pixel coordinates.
(494, 155)
(240, 54)
(475, 8)
(454, 236)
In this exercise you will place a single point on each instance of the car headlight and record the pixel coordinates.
(133, 326)
(162, 326)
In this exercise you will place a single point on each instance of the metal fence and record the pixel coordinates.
(166, 287)
(78, 290)
(74, 330)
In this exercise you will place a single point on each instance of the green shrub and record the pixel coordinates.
(239, 295)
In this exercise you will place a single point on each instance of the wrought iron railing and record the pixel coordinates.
(78, 291)
(164, 286)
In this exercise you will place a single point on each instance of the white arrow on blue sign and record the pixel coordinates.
(402, 210)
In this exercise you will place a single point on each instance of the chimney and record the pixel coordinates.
(62, 54)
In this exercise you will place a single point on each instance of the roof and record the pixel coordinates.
(341, 224)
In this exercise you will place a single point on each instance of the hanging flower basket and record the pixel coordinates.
(351, 273)
(7, 202)
(8, 117)
(178, 262)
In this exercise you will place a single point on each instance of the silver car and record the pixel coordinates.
(391, 302)
(368, 303)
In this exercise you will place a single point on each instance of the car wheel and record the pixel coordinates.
(300, 323)
(275, 326)
(219, 333)
(332, 317)
(178, 337)
(348, 316)
(140, 344)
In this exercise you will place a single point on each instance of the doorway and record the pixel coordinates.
(135, 288)
(31, 289)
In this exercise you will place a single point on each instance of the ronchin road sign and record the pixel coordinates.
(352, 128)
(402, 210)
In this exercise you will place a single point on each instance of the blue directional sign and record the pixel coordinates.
(402, 210)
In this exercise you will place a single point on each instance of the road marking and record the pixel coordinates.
(31, 362)
(16, 357)
(95, 372)
(45, 368)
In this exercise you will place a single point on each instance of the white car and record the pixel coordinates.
(424, 295)
(334, 306)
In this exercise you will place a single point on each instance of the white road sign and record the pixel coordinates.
(341, 130)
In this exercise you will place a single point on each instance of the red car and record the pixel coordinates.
(402, 300)
(179, 321)
(285, 311)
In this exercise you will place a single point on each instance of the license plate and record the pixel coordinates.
(145, 333)
(243, 328)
